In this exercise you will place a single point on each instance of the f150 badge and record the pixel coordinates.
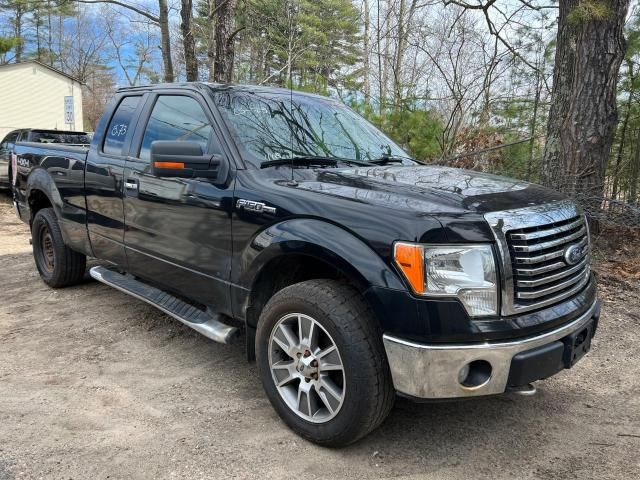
(252, 206)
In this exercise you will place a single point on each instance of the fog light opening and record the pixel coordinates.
(475, 374)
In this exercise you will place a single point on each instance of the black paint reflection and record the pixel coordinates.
(271, 125)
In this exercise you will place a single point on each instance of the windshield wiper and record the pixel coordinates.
(309, 160)
(319, 160)
(301, 160)
(384, 159)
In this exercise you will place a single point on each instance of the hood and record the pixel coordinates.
(426, 189)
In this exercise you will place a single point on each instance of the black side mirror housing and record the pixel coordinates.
(183, 159)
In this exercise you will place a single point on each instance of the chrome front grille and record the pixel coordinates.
(538, 263)
(534, 244)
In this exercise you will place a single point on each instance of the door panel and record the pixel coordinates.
(178, 231)
(103, 182)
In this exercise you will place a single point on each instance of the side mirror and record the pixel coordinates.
(173, 158)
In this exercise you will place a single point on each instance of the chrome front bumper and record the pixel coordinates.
(432, 371)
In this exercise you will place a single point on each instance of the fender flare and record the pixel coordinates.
(322, 240)
(39, 179)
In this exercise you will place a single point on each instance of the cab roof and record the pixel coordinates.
(220, 87)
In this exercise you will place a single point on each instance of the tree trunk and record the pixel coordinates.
(36, 20)
(399, 53)
(211, 39)
(49, 35)
(635, 173)
(385, 75)
(60, 33)
(583, 115)
(405, 19)
(381, 61)
(533, 125)
(623, 132)
(17, 32)
(224, 38)
(162, 20)
(188, 42)
(367, 63)
(165, 41)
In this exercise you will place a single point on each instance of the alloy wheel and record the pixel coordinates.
(306, 368)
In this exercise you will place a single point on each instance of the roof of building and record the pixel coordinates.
(43, 65)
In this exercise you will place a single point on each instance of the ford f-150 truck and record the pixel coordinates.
(355, 272)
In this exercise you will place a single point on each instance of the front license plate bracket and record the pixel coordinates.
(578, 344)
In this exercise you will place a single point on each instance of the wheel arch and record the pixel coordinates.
(42, 193)
(305, 249)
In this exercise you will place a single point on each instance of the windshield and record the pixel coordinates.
(270, 126)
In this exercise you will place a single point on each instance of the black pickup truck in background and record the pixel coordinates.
(354, 271)
(34, 135)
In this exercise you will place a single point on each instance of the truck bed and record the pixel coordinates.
(36, 166)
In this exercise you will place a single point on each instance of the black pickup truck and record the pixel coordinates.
(354, 271)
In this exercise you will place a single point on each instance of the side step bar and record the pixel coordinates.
(201, 321)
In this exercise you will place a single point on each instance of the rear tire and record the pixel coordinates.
(335, 398)
(59, 266)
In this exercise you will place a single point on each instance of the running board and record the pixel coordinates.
(201, 321)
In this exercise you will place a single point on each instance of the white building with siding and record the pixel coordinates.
(32, 95)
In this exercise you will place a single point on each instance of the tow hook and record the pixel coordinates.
(527, 390)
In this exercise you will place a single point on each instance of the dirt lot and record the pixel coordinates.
(95, 384)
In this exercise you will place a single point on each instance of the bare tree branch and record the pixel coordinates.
(140, 11)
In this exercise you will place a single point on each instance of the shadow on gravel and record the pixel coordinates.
(430, 433)
(4, 473)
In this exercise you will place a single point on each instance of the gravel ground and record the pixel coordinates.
(95, 384)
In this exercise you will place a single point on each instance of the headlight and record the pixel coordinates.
(467, 272)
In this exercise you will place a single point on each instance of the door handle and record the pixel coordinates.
(131, 184)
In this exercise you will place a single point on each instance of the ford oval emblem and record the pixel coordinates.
(573, 254)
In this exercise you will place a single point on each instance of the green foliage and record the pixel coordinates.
(315, 42)
(521, 160)
(30, 19)
(624, 164)
(334, 26)
(633, 38)
(417, 130)
(7, 44)
(588, 11)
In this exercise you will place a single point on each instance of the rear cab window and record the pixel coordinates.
(70, 138)
(10, 139)
(120, 126)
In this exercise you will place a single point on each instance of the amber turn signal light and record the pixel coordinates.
(410, 259)
(176, 165)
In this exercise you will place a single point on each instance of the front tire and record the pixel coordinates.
(59, 266)
(322, 363)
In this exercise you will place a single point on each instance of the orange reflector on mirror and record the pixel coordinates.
(410, 259)
(177, 165)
